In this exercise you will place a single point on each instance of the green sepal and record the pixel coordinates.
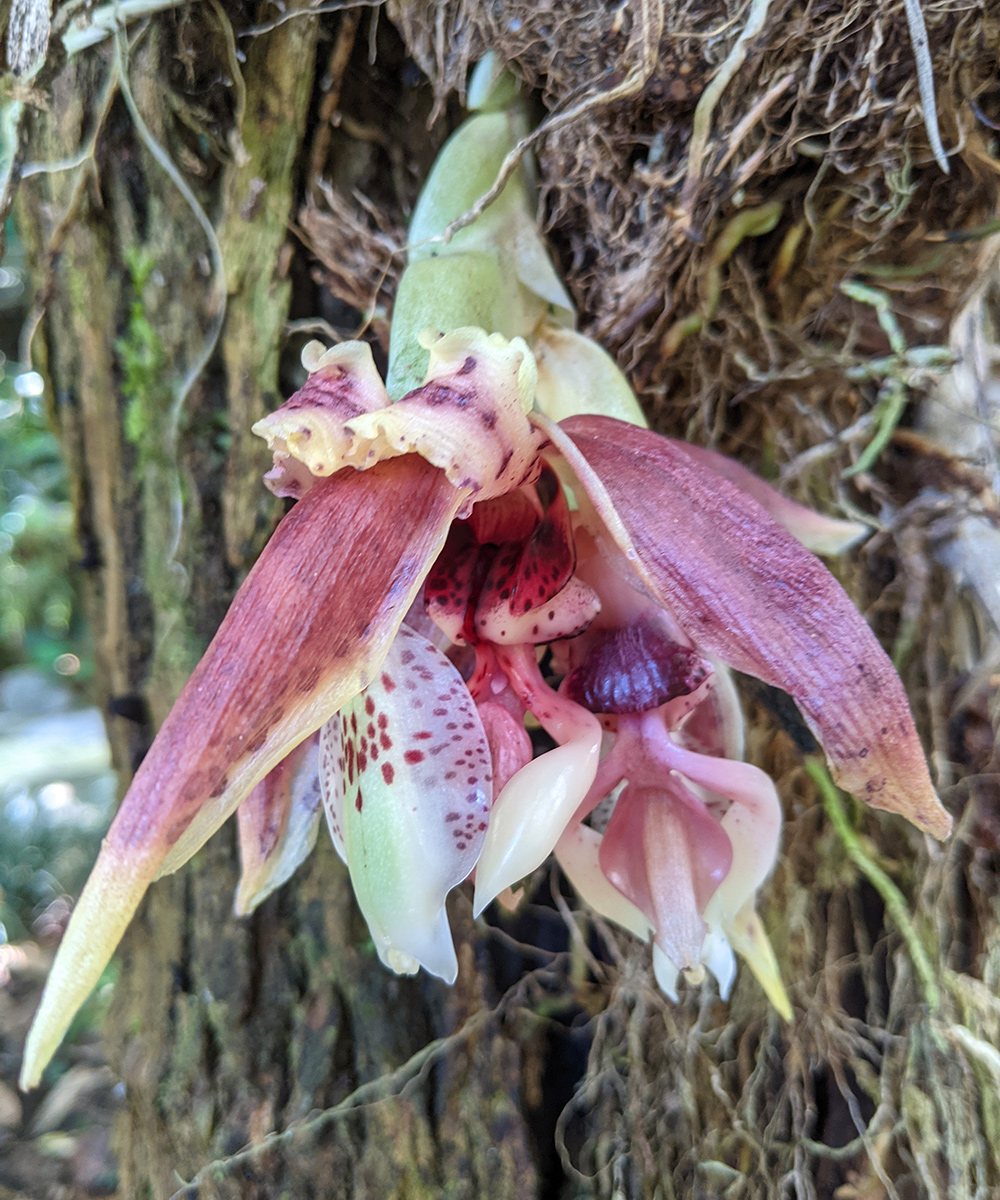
(503, 279)
(577, 376)
(492, 87)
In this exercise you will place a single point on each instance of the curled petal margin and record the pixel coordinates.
(469, 417)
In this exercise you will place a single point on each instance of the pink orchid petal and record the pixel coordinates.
(278, 823)
(715, 726)
(510, 746)
(820, 534)
(539, 802)
(307, 630)
(417, 792)
(752, 823)
(750, 594)
(577, 852)
(665, 853)
(532, 812)
(305, 633)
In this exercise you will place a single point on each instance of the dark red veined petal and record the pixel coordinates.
(305, 633)
(746, 591)
(822, 535)
(525, 578)
(530, 595)
(509, 518)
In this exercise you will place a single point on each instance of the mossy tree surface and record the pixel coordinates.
(718, 282)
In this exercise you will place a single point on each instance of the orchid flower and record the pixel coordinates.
(634, 558)
(506, 540)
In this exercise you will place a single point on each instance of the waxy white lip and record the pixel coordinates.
(533, 810)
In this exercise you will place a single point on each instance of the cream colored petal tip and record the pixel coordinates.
(750, 941)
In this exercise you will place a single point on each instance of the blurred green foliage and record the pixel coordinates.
(41, 861)
(40, 615)
(48, 837)
(38, 606)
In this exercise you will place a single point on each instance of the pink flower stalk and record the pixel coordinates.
(590, 573)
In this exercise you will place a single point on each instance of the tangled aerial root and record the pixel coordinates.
(729, 107)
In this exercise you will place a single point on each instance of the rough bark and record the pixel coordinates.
(226, 1031)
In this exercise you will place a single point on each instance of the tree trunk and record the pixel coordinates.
(550, 1071)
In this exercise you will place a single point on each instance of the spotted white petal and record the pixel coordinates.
(331, 781)
(415, 800)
